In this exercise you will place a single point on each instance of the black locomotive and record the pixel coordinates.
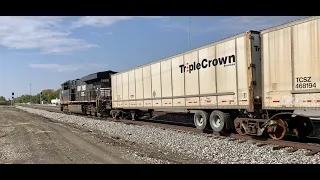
(88, 95)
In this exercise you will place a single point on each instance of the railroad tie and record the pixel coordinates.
(278, 147)
(311, 153)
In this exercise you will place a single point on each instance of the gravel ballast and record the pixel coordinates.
(200, 146)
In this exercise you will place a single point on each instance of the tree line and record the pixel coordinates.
(47, 96)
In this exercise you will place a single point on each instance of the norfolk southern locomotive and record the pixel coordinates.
(88, 95)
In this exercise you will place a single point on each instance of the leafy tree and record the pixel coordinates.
(2, 98)
(47, 96)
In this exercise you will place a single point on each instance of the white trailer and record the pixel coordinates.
(215, 76)
(291, 65)
(251, 82)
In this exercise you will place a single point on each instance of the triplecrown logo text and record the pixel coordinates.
(225, 61)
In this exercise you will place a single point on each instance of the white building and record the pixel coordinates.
(55, 101)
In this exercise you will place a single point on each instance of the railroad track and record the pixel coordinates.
(293, 143)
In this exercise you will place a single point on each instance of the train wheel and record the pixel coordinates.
(113, 114)
(238, 126)
(85, 110)
(218, 121)
(133, 116)
(277, 129)
(105, 113)
(302, 126)
(201, 119)
(123, 115)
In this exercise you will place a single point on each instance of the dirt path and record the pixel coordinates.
(26, 138)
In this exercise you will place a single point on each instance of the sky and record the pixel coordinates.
(47, 51)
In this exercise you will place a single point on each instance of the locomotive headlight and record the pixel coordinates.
(257, 97)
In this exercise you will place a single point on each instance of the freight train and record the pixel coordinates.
(251, 83)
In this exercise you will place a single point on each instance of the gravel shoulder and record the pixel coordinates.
(31, 139)
(184, 147)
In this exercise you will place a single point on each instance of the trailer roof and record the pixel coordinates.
(288, 24)
(189, 51)
(227, 39)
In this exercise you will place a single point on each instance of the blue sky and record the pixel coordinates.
(46, 51)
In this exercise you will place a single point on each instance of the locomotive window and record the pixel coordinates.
(65, 87)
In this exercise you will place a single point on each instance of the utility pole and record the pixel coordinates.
(189, 33)
(30, 93)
